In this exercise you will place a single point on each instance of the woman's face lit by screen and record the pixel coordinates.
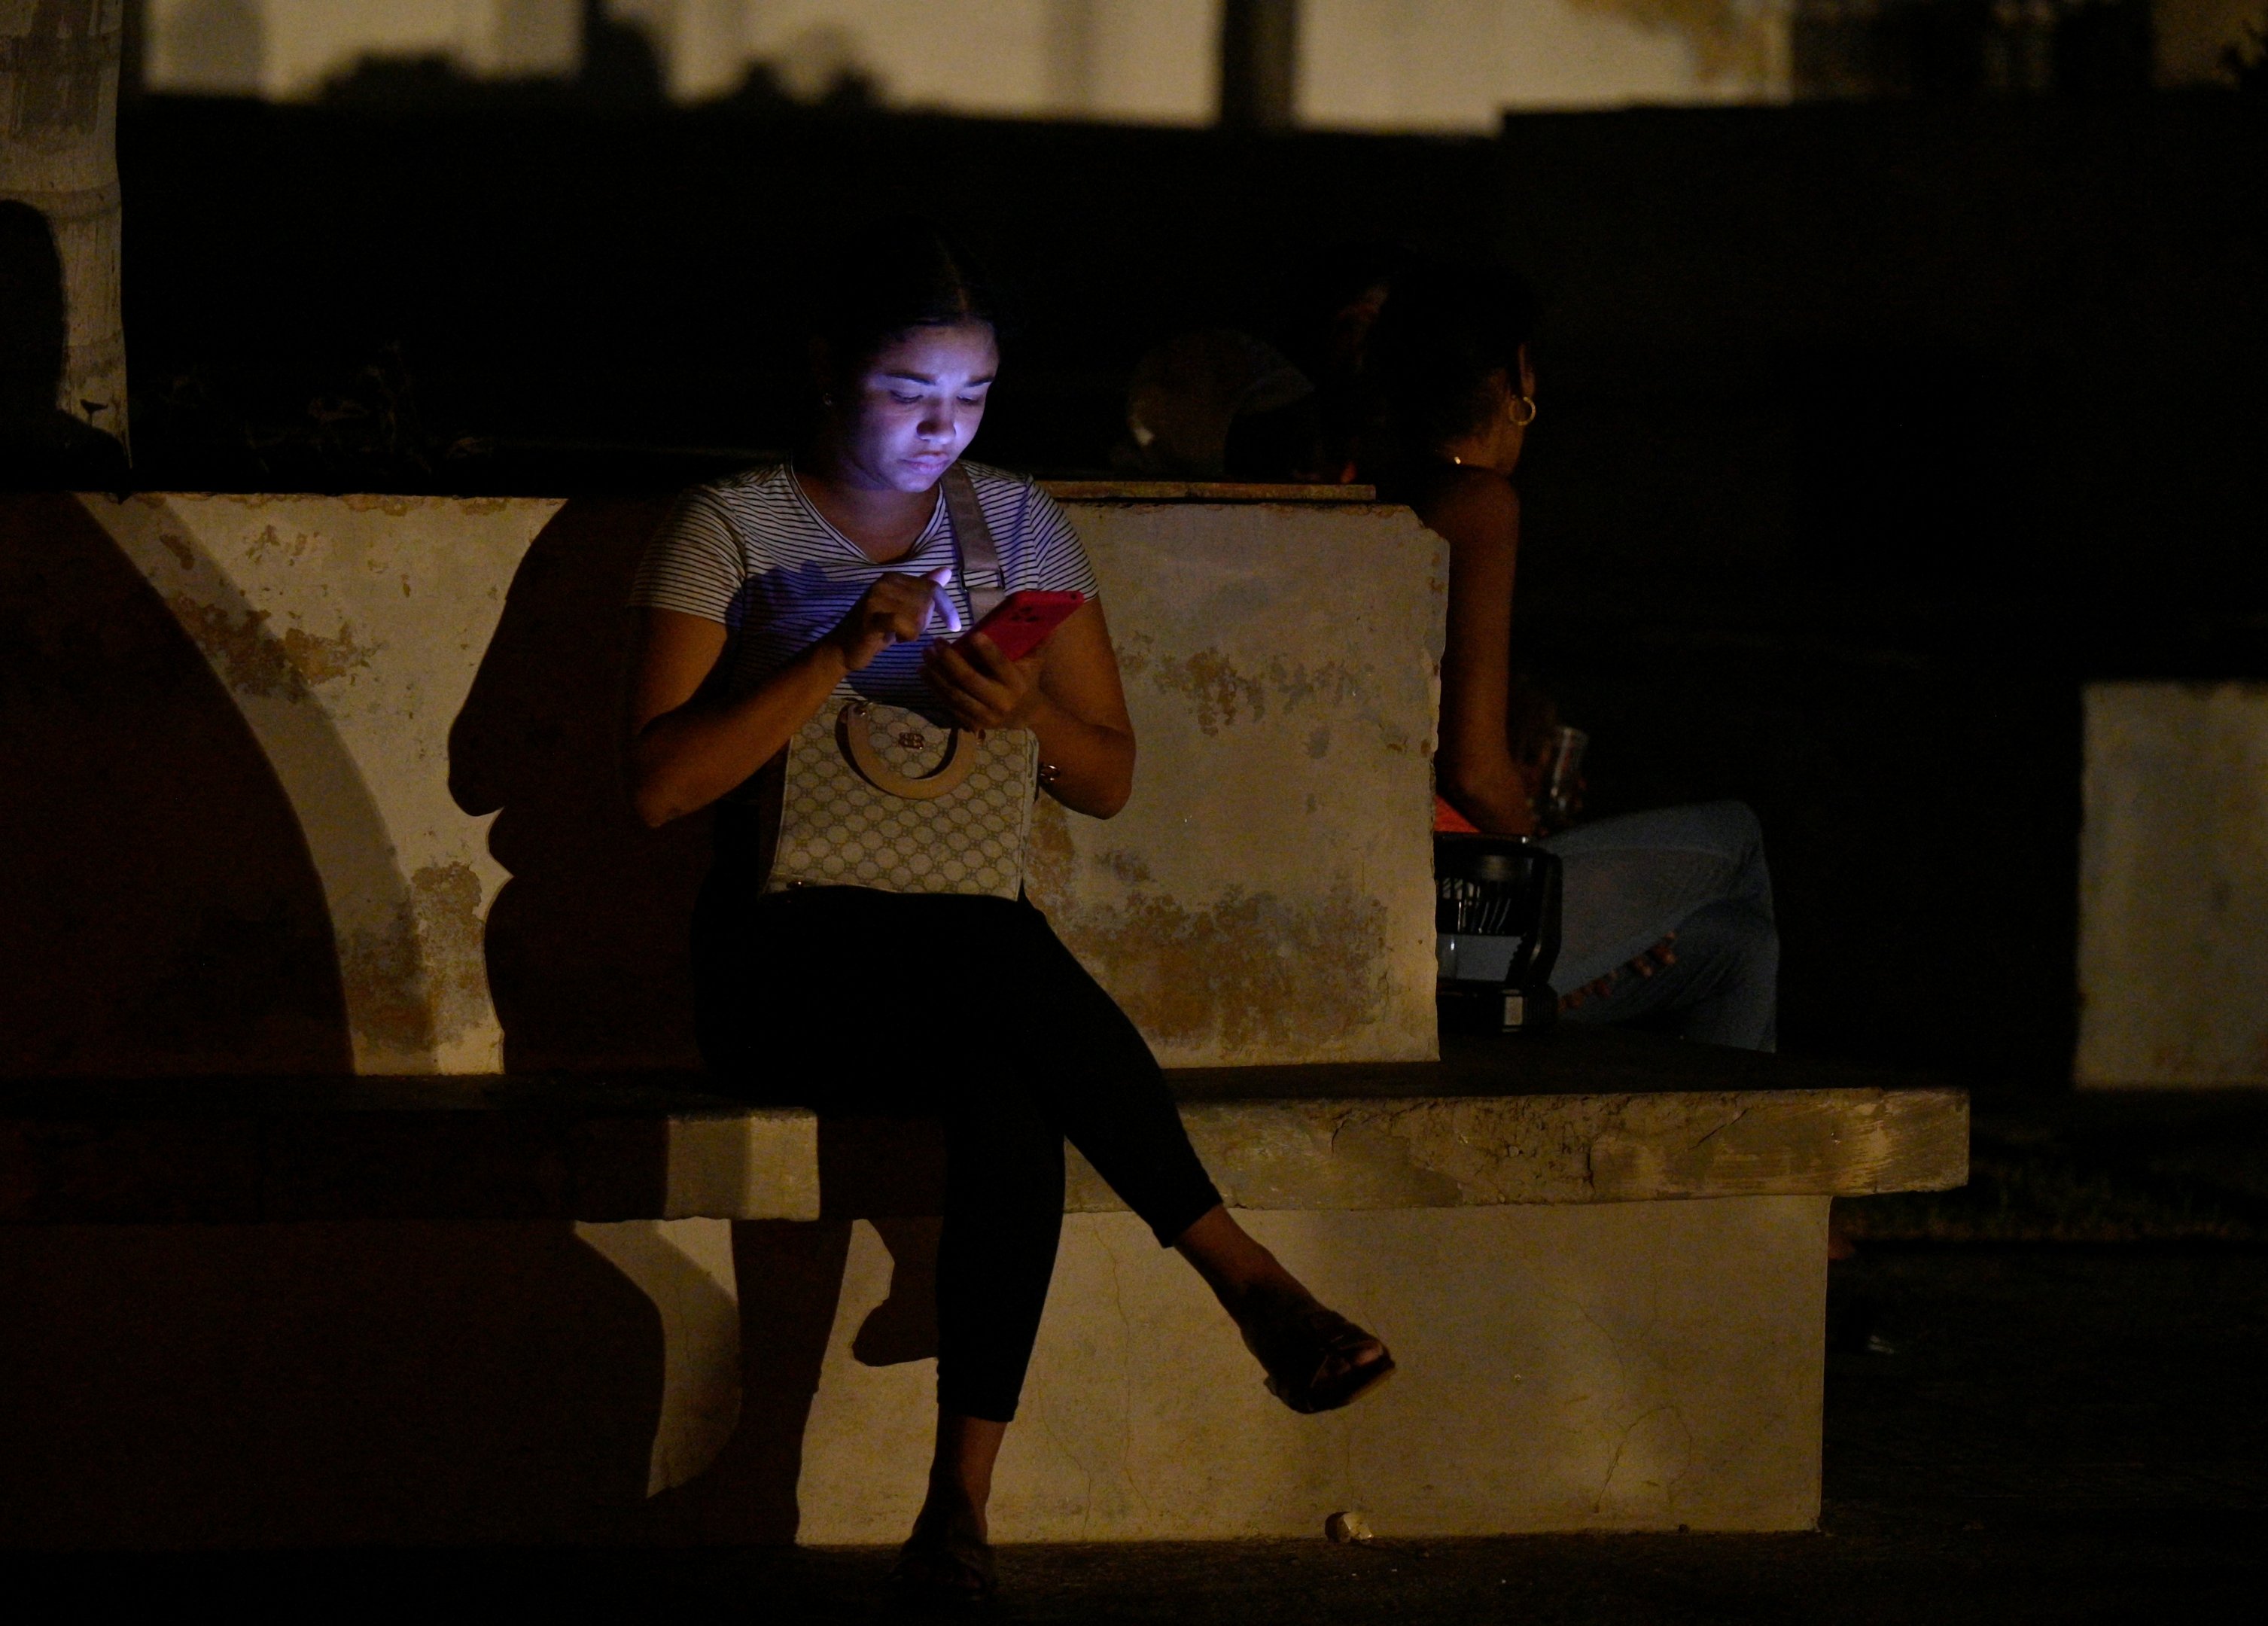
(917, 406)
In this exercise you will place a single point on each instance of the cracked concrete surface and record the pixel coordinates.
(1456, 1152)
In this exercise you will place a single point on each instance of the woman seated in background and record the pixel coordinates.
(1667, 914)
(863, 943)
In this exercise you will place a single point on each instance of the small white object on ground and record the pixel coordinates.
(1347, 1527)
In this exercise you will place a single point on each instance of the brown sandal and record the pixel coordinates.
(1301, 1346)
(941, 1565)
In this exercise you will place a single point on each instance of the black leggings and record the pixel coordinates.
(851, 1001)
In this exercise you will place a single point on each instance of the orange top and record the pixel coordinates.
(1449, 821)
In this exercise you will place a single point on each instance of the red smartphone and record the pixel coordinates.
(1020, 622)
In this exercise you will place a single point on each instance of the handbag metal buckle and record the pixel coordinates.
(856, 739)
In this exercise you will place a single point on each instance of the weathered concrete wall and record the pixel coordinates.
(1266, 898)
(2173, 947)
(348, 630)
(1267, 893)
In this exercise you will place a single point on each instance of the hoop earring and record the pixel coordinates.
(1514, 411)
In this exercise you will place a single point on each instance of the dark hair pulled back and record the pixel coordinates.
(886, 277)
(1445, 332)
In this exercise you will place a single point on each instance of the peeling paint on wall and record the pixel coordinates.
(1267, 895)
(1217, 692)
(451, 909)
(380, 969)
(1220, 695)
(1249, 971)
(253, 661)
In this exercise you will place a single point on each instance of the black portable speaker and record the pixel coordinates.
(1496, 925)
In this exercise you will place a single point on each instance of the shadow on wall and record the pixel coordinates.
(371, 1382)
(164, 915)
(589, 969)
(587, 943)
(41, 446)
(164, 1386)
(339, 1383)
(791, 1274)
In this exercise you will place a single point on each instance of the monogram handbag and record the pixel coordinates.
(879, 795)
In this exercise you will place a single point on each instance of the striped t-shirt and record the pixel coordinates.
(751, 552)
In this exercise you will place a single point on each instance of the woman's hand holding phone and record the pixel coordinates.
(980, 685)
(991, 678)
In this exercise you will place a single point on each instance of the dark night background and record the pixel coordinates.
(1872, 430)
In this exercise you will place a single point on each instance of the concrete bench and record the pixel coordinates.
(330, 791)
(1601, 1258)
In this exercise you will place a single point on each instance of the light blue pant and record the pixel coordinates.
(1698, 871)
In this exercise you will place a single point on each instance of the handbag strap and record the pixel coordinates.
(980, 560)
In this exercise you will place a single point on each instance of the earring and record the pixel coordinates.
(1522, 411)
(826, 400)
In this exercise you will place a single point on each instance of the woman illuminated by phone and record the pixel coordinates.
(787, 596)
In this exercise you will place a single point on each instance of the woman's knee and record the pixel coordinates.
(1002, 1151)
(1732, 951)
(1737, 937)
(1730, 828)
(1738, 835)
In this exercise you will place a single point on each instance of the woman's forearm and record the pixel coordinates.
(1494, 795)
(1088, 767)
(685, 759)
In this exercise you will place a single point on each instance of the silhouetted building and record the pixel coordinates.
(620, 67)
(1951, 49)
